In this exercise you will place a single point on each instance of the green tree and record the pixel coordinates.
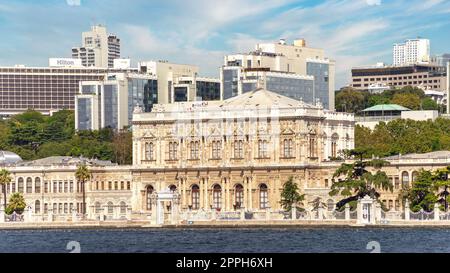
(421, 195)
(83, 174)
(122, 146)
(408, 100)
(5, 178)
(350, 100)
(290, 195)
(441, 186)
(358, 182)
(429, 104)
(16, 204)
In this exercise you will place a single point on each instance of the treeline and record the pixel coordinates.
(33, 135)
(404, 136)
(353, 101)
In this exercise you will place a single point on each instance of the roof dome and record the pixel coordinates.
(7, 158)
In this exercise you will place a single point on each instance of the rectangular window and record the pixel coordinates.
(216, 149)
(238, 149)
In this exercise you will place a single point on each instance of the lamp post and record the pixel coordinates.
(445, 193)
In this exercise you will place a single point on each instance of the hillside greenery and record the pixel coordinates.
(33, 135)
(354, 101)
(403, 136)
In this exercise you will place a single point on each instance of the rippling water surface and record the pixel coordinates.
(228, 240)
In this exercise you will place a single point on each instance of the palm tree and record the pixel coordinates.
(82, 175)
(5, 178)
(16, 203)
(358, 181)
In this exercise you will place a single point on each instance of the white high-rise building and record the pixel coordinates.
(292, 70)
(99, 49)
(412, 51)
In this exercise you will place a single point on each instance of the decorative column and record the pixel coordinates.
(242, 214)
(268, 210)
(347, 212)
(223, 193)
(294, 212)
(377, 211)
(2, 216)
(128, 213)
(74, 216)
(207, 207)
(50, 215)
(250, 197)
(436, 212)
(320, 212)
(407, 210)
(228, 194)
(154, 213)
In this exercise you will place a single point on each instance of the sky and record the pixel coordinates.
(201, 32)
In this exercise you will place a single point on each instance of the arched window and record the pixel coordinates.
(122, 185)
(123, 207)
(149, 154)
(330, 204)
(149, 191)
(217, 196)
(287, 148)
(110, 208)
(173, 188)
(263, 197)
(239, 196)
(405, 179)
(195, 147)
(334, 141)
(37, 206)
(97, 207)
(238, 149)
(20, 185)
(37, 185)
(29, 185)
(195, 196)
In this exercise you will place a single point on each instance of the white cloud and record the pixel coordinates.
(373, 2)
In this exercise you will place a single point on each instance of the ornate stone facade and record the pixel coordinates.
(237, 153)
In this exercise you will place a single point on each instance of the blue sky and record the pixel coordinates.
(201, 32)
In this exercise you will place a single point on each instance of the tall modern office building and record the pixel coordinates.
(180, 82)
(440, 60)
(412, 51)
(98, 49)
(46, 89)
(111, 102)
(295, 71)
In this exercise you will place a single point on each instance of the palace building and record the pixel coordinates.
(227, 156)
(236, 153)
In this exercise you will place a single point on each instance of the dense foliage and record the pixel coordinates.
(353, 101)
(353, 181)
(428, 188)
(16, 204)
(402, 136)
(33, 135)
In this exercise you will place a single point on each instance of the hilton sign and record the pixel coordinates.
(64, 62)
